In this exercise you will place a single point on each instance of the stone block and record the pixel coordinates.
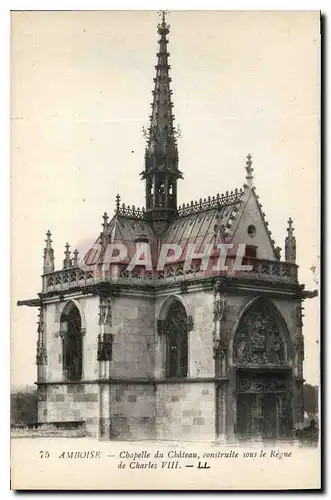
(119, 427)
(198, 421)
(75, 388)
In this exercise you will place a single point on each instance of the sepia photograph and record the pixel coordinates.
(165, 249)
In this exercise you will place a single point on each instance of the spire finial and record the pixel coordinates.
(249, 170)
(118, 202)
(163, 14)
(290, 228)
(49, 264)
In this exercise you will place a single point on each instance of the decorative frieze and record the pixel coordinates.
(263, 384)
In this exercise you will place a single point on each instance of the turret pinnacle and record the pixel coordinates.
(49, 262)
(161, 157)
(290, 243)
(67, 262)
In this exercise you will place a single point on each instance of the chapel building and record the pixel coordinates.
(177, 353)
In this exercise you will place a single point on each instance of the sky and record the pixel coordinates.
(81, 82)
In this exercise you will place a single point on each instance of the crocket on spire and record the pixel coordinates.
(161, 130)
(161, 156)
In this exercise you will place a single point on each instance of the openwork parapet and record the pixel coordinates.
(76, 277)
(211, 202)
(128, 211)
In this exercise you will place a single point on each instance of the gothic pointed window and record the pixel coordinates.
(259, 339)
(177, 341)
(72, 355)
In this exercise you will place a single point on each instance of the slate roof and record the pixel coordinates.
(205, 222)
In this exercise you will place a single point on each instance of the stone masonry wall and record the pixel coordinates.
(185, 411)
(70, 402)
(132, 411)
(133, 327)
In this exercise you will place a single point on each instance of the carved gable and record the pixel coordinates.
(252, 229)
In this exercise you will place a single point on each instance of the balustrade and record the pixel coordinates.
(261, 269)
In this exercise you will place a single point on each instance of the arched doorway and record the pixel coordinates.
(176, 331)
(72, 343)
(263, 376)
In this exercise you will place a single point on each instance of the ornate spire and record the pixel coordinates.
(49, 262)
(161, 157)
(290, 243)
(67, 259)
(161, 134)
(249, 170)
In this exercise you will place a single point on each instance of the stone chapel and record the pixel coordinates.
(174, 353)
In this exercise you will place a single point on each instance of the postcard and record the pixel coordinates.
(163, 337)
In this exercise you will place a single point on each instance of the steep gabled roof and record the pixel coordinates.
(250, 212)
(120, 230)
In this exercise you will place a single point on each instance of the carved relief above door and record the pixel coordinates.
(259, 339)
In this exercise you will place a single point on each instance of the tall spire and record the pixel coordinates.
(161, 156)
(161, 137)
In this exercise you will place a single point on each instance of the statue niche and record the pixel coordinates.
(259, 340)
